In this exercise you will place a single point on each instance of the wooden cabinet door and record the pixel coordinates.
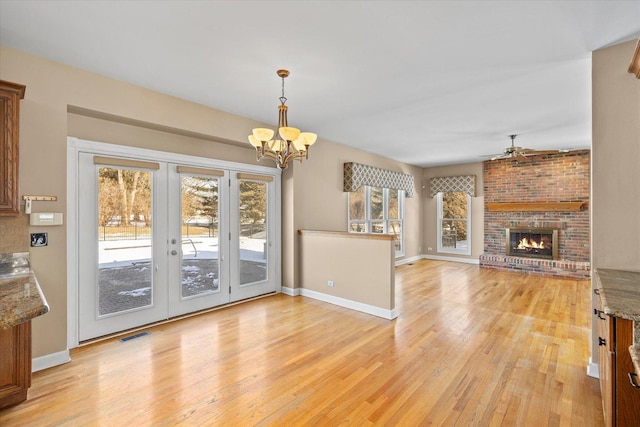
(15, 364)
(606, 357)
(627, 397)
(10, 95)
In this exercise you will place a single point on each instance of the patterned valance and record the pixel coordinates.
(449, 184)
(356, 175)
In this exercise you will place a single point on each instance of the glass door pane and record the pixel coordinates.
(253, 231)
(125, 275)
(200, 269)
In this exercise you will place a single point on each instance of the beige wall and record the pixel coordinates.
(615, 156)
(431, 210)
(96, 129)
(320, 203)
(361, 266)
(62, 101)
(615, 159)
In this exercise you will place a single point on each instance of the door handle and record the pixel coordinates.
(174, 252)
(632, 379)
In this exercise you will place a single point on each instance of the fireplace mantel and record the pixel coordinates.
(537, 206)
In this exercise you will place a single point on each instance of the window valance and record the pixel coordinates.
(449, 184)
(356, 175)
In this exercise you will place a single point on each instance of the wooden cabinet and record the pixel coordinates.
(10, 96)
(620, 400)
(15, 364)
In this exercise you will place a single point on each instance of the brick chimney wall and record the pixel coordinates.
(561, 177)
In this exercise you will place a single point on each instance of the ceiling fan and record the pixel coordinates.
(519, 153)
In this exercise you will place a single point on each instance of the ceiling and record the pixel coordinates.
(423, 82)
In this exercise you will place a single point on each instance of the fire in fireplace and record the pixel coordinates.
(534, 242)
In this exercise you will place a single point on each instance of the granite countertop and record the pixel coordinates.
(620, 293)
(21, 298)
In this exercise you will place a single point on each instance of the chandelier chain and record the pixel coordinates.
(282, 98)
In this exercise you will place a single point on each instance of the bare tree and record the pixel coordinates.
(126, 191)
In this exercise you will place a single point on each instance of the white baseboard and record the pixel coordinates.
(292, 292)
(50, 360)
(593, 369)
(408, 260)
(353, 305)
(475, 261)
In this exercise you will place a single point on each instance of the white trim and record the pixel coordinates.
(72, 244)
(353, 305)
(475, 261)
(292, 292)
(76, 146)
(50, 360)
(409, 260)
(593, 369)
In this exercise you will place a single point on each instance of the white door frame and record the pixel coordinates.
(76, 145)
(177, 304)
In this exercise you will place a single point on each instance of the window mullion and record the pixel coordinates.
(367, 209)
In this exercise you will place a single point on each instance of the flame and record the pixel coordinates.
(524, 244)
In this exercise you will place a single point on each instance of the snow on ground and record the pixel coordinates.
(136, 292)
(119, 253)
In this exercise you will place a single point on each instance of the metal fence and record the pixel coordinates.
(135, 231)
(124, 232)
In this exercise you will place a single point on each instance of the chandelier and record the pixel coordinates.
(291, 144)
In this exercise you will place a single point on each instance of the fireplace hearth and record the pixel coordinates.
(536, 242)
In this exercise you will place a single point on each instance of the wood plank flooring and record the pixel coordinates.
(472, 347)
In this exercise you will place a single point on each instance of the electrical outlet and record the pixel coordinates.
(39, 239)
(429, 249)
(330, 283)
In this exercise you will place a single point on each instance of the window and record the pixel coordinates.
(378, 210)
(357, 208)
(454, 223)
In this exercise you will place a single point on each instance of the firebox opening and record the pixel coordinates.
(535, 242)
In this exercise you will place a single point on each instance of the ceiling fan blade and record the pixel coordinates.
(530, 152)
(520, 156)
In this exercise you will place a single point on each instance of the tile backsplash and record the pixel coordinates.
(14, 233)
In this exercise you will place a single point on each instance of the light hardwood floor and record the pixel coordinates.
(472, 347)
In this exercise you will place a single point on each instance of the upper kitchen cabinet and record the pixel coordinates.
(10, 96)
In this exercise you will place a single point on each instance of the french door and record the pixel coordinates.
(158, 239)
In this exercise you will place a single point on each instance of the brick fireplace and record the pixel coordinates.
(547, 192)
